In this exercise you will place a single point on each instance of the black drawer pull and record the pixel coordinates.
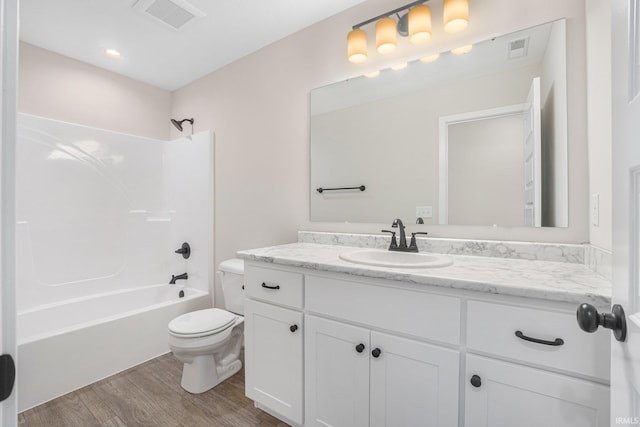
(264, 285)
(293, 328)
(557, 342)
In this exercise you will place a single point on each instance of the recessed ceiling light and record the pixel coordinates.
(112, 53)
(372, 74)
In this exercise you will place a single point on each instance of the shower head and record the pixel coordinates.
(178, 124)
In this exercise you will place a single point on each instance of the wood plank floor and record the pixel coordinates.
(150, 395)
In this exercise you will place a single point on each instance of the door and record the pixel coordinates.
(412, 383)
(9, 74)
(336, 374)
(501, 394)
(625, 356)
(273, 358)
(533, 157)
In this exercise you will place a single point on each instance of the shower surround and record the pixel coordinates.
(99, 216)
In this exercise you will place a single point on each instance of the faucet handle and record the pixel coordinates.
(413, 246)
(394, 243)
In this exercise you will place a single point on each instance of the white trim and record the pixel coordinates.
(443, 147)
(8, 106)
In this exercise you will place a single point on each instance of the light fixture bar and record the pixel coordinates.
(392, 12)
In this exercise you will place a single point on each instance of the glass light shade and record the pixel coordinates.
(386, 35)
(399, 67)
(456, 15)
(420, 24)
(462, 49)
(372, 74)
(430, 58)
(357, 46)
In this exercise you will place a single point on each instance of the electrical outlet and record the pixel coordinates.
(595, 209)
(424, 211)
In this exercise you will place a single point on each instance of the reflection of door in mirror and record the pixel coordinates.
(482, 174)
(533, 158)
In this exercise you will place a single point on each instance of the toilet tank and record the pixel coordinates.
(231, 273)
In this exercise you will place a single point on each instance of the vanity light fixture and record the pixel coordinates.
(401, 66)
(372, 74)
(416, 24)
(430, 58)
(456, 15)
(462, 50)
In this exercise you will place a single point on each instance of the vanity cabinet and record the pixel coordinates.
(358, 377)
(274, 342)
(377, 352)
(501, 394)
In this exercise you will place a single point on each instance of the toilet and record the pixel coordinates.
(209, 341)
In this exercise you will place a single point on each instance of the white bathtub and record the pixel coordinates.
(90, 338)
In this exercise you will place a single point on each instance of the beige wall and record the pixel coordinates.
(58, 87)
(599, 115)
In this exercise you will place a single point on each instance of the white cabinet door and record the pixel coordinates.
(273, 358)
(412, 383)
(336, 374)
(507, 395)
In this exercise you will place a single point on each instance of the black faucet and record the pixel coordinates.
(402, 246)
(183, 276)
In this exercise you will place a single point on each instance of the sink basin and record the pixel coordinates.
(381, 258)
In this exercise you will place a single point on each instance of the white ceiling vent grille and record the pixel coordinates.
(174, 13)
(518, 48)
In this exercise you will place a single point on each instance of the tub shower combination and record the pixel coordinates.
(99, 217)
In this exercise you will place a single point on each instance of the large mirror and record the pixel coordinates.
(472, 139)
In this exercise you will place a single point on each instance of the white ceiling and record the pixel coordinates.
(157, 54)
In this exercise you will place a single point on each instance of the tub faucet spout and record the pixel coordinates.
(183, 276)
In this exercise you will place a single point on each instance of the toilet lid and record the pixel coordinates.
(210, 320)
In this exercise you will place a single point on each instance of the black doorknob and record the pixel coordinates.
(360, 348)
(376, 352)
(293, 328)
(476, 381)
(589, 319)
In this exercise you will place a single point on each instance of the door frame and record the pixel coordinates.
(443, 147)
(8, 105)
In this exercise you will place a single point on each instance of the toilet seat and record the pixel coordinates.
(201, 323)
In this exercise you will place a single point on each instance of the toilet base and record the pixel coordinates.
(202, 374)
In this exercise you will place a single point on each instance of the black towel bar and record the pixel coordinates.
(361, 188)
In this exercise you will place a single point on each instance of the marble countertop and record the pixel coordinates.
(558, 281)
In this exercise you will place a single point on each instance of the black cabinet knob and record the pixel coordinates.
(293, 328)
(589, 319)
(476, 381)
(376, 352)
(360, 348)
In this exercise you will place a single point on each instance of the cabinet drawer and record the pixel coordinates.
(492, 328)
(276, 286)
(420, 314)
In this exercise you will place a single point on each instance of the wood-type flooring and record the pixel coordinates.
(150, 395)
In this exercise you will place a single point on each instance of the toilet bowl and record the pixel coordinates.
(209, 341)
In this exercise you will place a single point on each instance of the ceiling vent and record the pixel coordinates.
(174, 13)
(518, 48)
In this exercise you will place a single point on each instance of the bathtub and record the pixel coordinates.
(87, 339)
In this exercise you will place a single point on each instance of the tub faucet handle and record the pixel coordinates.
(185, 250)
